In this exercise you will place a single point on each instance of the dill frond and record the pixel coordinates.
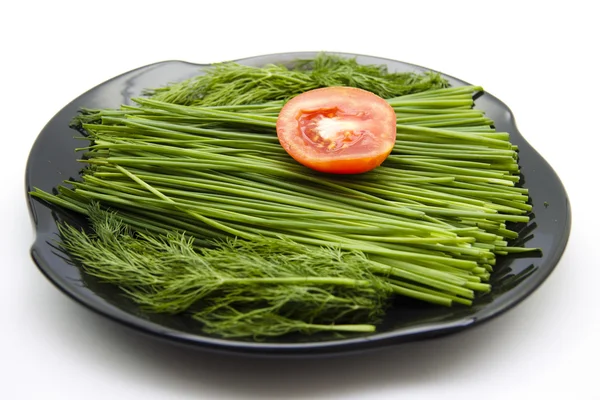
(235, 84)
(236, 288)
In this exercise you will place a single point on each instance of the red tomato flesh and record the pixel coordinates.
(339, 130)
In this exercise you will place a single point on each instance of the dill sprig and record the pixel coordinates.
(231, 83)
(236, 288)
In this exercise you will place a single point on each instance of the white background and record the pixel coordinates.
(539, 58)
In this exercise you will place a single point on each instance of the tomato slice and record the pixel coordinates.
(339, 130)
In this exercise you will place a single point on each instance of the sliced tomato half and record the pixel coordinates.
(339, 130)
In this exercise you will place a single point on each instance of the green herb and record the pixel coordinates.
(440, 203)
(428, 224)
(236, 288)
(232, 83)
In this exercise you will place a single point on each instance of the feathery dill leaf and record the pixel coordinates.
(231, 83)
(236, 288)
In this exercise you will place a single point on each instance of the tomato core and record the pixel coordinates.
(331, 129)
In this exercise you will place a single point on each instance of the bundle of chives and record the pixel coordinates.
(432, 219)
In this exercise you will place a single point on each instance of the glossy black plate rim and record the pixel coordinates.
(46, 232)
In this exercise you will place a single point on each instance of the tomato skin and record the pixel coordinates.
(338, 130)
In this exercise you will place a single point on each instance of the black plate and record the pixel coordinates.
(52, 160)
